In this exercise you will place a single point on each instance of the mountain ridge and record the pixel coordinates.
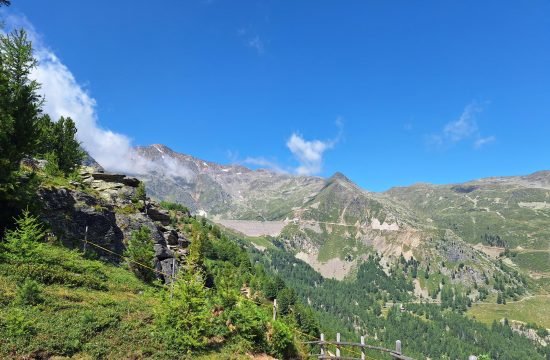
(335, 221)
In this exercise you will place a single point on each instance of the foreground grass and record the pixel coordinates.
(108, 317)
(535, 309)
(87, 310)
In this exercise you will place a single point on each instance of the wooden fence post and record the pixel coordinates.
(274, 309)
(337, 345)
(322, 345)
(85, 239)
(398, 347)
(363, 348)
(172, 279)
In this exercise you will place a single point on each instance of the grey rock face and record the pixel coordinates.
(69, 213)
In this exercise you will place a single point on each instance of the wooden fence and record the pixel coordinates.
(340, 345)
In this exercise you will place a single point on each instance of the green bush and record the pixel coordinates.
(173, 206)
(139, 194)
(248, 322)
(183, 319)
(29, 293)
(24, 240)
(17, 324)
(141, 252)
(281, 341)
(52, 165)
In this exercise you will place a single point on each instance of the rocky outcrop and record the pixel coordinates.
(159, 215)
(113, 188)
(75, 216)
(101, 212)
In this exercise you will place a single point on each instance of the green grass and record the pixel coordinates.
(538, 261)
(532, 310)
(260, 241)
(109, 317)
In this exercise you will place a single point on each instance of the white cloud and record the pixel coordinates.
(484, 141)
(309, 153)
(64, 96)
(465, 128)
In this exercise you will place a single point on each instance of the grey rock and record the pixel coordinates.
(169, 269)
(159, 215)
(171, 237)
(162, 252)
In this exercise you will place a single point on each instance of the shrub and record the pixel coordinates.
(174, 206)
(52, 165)
(140, 194)
(280, 341)
(29, 293)
(140, 251)
(249, 323)
(182, 320)
(17, 324)
(24, 240)
(55, 274)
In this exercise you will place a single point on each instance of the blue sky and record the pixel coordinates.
(388, 92)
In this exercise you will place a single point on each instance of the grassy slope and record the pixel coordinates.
(82, 321)
(534, 309)
(538, 261)
(110, 317)
(495, 209)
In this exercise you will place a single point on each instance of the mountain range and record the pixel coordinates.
(333, 224)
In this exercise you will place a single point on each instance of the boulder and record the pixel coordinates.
(161, 216)
(183, 242)
(163, 252)
(132, 182)
(108, 177)
(171, 237)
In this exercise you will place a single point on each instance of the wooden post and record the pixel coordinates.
(172, 279)
(397, 347)
(322, 345)
(337, 345)
(274, 309)
(363, 355)
(85, 239)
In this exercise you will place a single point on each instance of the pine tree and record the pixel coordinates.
(20, 103)
(140, 252)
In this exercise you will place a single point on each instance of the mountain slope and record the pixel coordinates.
(230, 192)
(332, 224)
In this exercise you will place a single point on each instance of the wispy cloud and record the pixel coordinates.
(64, 96)
(257, 44)
(465, 128)
(252, 40)
(484, 141)
(266, 164)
